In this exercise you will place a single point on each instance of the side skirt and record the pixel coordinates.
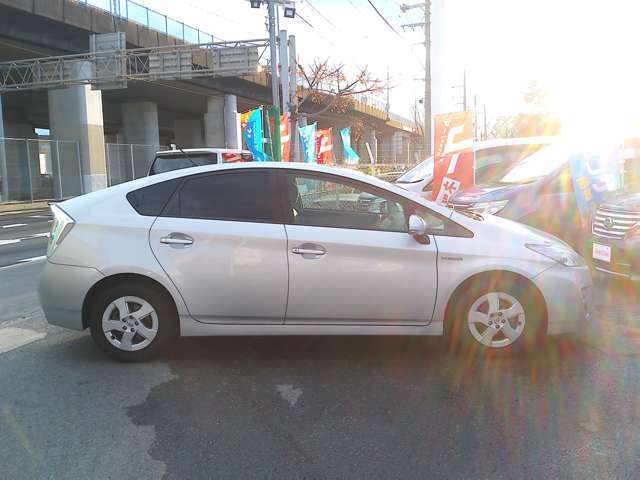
(193, 328)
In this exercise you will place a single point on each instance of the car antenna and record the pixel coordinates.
(185, 154)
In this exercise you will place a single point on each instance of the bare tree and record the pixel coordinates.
(328, 88)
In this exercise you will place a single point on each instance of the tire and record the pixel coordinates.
(515, 327)
(134, 336)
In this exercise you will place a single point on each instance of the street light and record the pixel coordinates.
(290, 12)
(255, 3)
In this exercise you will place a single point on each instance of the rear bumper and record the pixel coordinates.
(62, 291)
(567, 292)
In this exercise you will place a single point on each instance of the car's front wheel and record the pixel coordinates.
(133, 322)
(497, 317)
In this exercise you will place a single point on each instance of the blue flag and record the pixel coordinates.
(308, 143)
(594, 174)
(253, 135)
(350, 156)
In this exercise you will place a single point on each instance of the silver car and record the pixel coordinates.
(290, 249)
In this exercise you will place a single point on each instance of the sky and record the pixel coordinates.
(582, 51)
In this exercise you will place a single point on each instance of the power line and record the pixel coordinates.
(384, 18)
(320, 13)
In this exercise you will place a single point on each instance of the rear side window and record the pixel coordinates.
(151, 200)
(239, 196)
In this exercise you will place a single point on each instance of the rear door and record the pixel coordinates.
(222, 242)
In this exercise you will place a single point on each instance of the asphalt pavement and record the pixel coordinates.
(23, 236)
(316, 407)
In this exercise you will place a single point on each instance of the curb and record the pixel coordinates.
(19, 207)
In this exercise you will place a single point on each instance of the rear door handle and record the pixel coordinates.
(177, 239)
(309, 249)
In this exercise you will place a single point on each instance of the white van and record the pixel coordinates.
(169, 160)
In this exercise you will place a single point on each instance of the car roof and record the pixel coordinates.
(202, 150)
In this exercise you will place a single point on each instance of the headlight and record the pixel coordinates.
(62, 225)
(489, 208)
(557, 252)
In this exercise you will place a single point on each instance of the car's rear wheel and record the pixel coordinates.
(497, 317)
(133, 322)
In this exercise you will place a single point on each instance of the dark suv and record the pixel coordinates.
(616, 229)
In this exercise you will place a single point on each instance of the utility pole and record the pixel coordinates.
(475, 117)
(427, 67)
(275, 92)
(464, 91)
(486, 134)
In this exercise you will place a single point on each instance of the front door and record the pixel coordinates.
(222, 244)
(351, 260)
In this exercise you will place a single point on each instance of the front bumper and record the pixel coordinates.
(625, 257)
(62, 291)
(568, 295)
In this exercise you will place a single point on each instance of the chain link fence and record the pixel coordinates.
(127, 162)
(32, 170)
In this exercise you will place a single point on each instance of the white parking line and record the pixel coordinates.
(9, 242)
(15, 225)
(23, 263)
(32, 259)
(12, 338)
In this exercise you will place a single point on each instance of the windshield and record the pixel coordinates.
(167, 163)
(493, 163)
(531, 168)
(418, 173)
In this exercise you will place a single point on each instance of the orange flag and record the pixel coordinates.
(324, 147)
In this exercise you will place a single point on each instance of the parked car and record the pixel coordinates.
(536, 190)
(244, 249)
(616, 229)
(169, 160)
(490, 155)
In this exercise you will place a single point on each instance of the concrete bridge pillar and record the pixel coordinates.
(140, 128)
(140, 123)
(75, 114)
(222, 122)
(187, 133)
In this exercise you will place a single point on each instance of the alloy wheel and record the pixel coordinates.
(496, 320)
(130, 323)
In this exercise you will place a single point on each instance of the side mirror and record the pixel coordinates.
(418, 229)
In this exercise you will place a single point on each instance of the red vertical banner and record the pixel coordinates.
(453, 167)
(324, 147)
(285, 138)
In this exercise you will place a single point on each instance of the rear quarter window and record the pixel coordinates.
(151, 200)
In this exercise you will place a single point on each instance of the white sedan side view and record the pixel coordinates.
(298, 249)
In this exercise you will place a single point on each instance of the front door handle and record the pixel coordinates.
(309, 249)
(177, 239)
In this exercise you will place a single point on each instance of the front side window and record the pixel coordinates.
(322, 201)
(250, 196)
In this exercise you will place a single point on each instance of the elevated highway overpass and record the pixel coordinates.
(188, 112)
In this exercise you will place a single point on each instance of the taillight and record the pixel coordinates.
(60, 228)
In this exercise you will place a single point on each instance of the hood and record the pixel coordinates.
(623, 201)
(485, 193)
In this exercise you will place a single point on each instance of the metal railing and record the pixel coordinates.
(134, 12)
(32, 170)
